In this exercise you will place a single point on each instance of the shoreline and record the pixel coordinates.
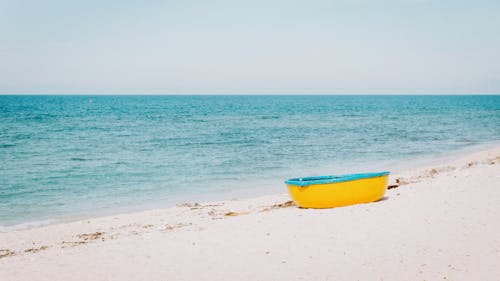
(399, 166)
(435, 222)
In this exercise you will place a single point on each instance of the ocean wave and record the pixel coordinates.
(26, 225)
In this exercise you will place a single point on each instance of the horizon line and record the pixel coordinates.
(249, 94)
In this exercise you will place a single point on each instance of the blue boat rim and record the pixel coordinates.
(332, 179)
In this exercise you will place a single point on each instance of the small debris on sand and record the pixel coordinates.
(233, 214)
(73, 243)
(34, 250)
(489, 161)
(172, 227)
(212, 213)
(392, 186)
(196, 206)
(402, 181)
(6, 253)
(433, 172)
(421, 176)
(129, 225)
(90, 236)
(86, 237)
(286, 204)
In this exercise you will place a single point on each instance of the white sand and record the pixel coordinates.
(443, 225)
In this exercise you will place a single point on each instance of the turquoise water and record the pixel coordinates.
(74, 156)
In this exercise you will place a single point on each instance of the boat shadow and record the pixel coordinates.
(382, 199)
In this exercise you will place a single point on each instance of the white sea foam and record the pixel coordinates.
(26, 225)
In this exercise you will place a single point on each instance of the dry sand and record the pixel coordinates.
(438, 223)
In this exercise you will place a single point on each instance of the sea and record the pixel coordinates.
(66, 157)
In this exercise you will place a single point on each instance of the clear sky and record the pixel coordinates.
(250, 46)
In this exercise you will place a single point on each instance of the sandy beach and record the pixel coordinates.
(434, 223)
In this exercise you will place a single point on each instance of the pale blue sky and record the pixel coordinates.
(250, 46)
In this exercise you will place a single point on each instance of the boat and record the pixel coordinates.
(337, 190)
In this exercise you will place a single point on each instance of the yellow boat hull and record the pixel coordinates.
(337, 194)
